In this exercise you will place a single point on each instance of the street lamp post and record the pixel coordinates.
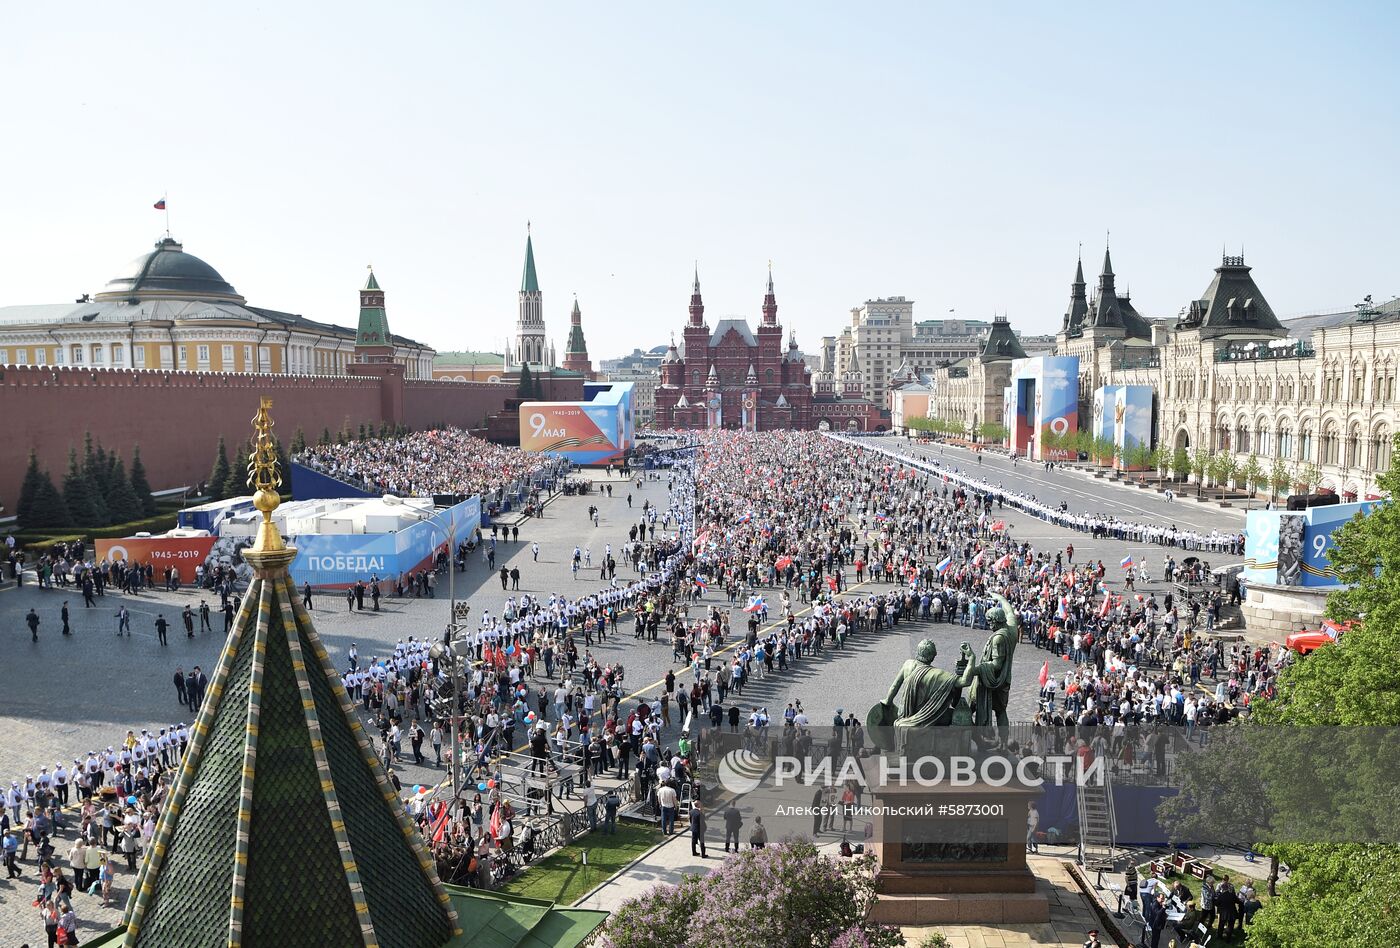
(447, 650)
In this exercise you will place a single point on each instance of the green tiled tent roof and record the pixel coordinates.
(282, 827)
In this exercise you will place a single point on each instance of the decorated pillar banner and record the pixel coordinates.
(1008, 405)
(1132, 421)
(1292, 548)
(1047, 392)
(1101, 420)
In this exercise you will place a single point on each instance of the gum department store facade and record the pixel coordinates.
(1227, 374)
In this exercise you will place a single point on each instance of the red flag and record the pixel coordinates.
(1069, 579)
(160, 205)
(1107, 604)
(1045, 673)
(831, 581)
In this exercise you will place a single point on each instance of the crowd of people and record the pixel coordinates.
(770, 552)
(438, 461)
(66, 831)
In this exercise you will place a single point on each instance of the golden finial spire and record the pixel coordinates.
(264, 477)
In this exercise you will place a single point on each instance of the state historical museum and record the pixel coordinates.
(733, 376)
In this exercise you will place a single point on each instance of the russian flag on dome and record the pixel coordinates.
(1126, 561)
(977, 560)
(944, 566)
(160, 205)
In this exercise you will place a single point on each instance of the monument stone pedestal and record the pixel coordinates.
(954, 854)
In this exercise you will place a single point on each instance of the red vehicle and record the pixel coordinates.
(1310, 641)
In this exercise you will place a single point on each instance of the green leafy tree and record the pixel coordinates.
(1280, 478)
(29, 490)
(79, 493)
(1103, 450)
(1309, 477)
(122, 503)
(525, 388)
(991, 431)
(1141, 458)
(141, 485)
(218, 477)
(1339, 894)
(1200, 466)
(1252, 474)
(1230, 469)
(1180, 464)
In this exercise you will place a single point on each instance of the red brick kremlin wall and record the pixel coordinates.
(177, 417)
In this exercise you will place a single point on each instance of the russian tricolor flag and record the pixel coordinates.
(701, 583)
(1044, 568)
(1126, 561)
(944, 566)
(1003, 563)
(977, 560)
(160, 205)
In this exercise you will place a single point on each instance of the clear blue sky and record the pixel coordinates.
(953, 155)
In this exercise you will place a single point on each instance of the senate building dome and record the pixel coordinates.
(167, 272)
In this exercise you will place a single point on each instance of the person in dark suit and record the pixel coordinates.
(733, 820)
(161, 627)
(180, 686)
(697, 830)
(197, 689)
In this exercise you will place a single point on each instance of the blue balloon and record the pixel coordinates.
(131, 800)
(481, 787)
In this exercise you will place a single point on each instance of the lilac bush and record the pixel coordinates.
(783, 896)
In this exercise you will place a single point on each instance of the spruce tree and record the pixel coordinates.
(363, 436)
(140, 485)
(236, 484)
(123, 506)
(29, 490)
(95, 464)
(525, 388)
(49, 508)
(79, 496)
(284, 463)
(325, 437)
(299, 442)
(219, 475)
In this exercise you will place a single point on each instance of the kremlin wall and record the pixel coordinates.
(178, 417)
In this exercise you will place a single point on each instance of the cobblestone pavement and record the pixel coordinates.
(65, 696)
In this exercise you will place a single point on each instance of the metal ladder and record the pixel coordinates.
(1096, 825)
